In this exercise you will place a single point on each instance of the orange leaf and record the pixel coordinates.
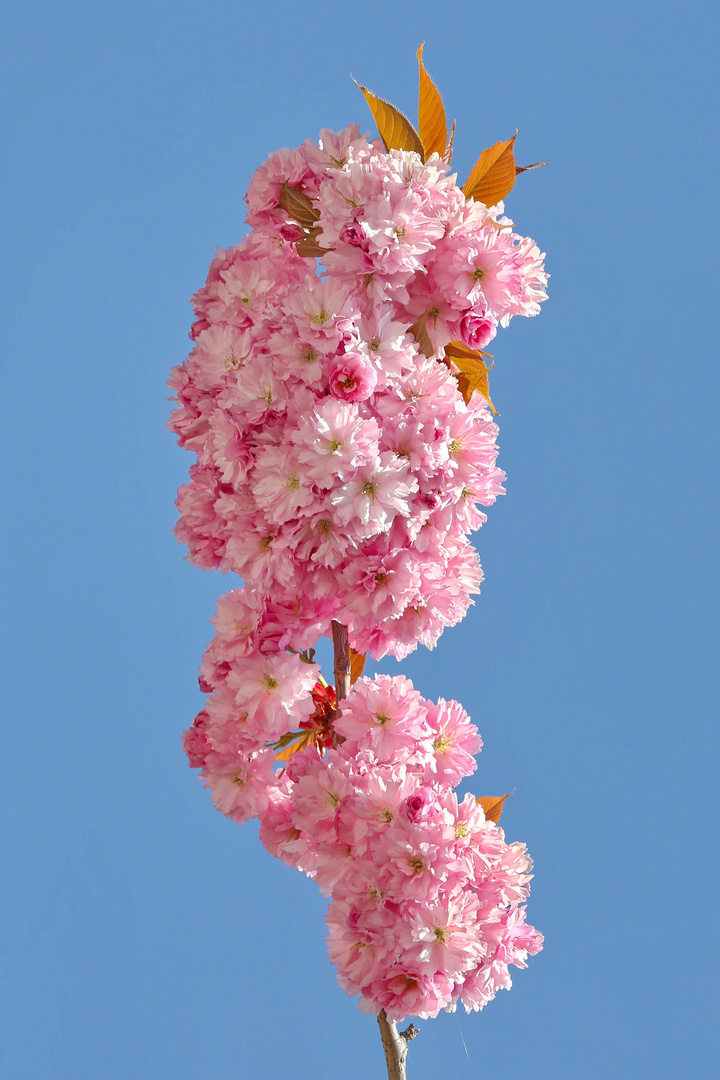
(357, 664)
(473, 371)
(493, 174)
(447, 156)
(431, 114)
(396, 131)
(419, 332)
(492, 805)
(292, 742)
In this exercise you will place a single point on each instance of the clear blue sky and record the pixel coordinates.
(144, 935)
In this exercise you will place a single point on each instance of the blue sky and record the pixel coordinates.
(142, 934)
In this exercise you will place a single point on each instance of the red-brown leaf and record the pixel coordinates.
(298, 206)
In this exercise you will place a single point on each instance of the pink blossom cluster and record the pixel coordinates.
(340, 473)
(426, 895)
(338, 467)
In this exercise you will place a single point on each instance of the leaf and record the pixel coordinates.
(458, 350)
(432, 125)
(492, 805)
(527, 168)
(290, 743)
(493, 174)
(447, 156)
(419, 332)
(309, 247)
(357, 664)
(473, 371)
(396, 131)
(298, 206)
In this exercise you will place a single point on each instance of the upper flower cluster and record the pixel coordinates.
(339, 467)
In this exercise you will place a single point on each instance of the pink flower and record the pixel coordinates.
(448, 935)
(405, 991)
(369, 502)
(241, 791)
(455, 742)
(384, 715)
(334, 441)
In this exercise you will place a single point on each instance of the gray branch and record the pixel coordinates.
(395, 1045)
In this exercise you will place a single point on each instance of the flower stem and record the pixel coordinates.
(395, 1043)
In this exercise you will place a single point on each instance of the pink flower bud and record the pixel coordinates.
(291, 233)
(352, 234)
(419, 805)
(477, 331)
(352, 377)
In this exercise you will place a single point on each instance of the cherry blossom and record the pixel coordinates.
(340, 473)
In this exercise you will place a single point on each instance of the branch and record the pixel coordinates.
(395, 1045)
(342, 660)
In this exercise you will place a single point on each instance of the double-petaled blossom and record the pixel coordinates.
(340, 472)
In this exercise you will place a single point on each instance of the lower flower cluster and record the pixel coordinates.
(426, 895)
